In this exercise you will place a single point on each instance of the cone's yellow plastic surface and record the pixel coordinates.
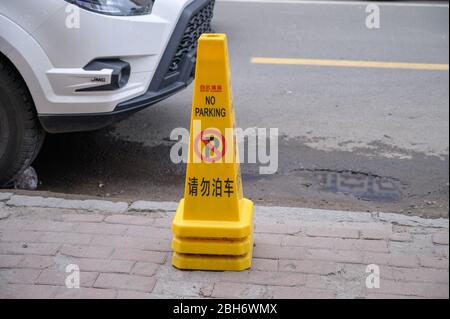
(206, 246)
(214, 229)
(201, 262)
(213, 225)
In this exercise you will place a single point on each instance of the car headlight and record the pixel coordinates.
(116, 7)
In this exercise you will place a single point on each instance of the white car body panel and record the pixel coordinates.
(34, 36)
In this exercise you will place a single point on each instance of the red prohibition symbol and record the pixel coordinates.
(214, 145)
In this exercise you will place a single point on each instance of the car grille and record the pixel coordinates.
(198, 24)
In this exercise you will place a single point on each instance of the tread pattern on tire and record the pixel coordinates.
(34, 133)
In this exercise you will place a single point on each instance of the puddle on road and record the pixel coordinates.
(361, 185)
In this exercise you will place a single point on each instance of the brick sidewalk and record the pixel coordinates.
(123, 251)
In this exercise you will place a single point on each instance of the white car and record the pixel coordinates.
(78, 65)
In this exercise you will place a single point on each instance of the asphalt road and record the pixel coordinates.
(356, 138)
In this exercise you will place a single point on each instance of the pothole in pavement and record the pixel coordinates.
(362, 185)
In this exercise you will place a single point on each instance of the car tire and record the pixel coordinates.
(21, 135)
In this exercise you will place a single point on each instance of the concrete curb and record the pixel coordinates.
(293, 214)
(5, 196)
(312, 214)
(145, 206)
(51, 202)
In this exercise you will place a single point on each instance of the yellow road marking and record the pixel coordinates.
(352, 64)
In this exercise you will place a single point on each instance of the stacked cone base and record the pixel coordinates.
(187, 228)
(206, 246)
(212, 262)
(213, 245)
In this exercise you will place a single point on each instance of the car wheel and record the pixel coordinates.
(21, 135)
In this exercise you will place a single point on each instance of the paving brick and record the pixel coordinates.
(337, 243)
(85, 251)
(129, 220)
(20, 236)
(154, 244)
(433, 262)
(144, 269)
(90, 218)
(264, 264)
(440, 239)
(344, 256)
(278, 228)
(103, 265)
(402, 237)
(268, 239)
(309, 266)
(37, 262)
(139, 255)
(239, 291)
(58, 278)
(29, 249)
(353, 272)
(148, 232)
(278, 252)
(168, 272)
(301, 293)
(102, 228)
(163, 222)
(319, 281)
(131, 294)
(10, 261)
(10, 224)
(310, 242)
(362, 245)
(335, 232)
(47, 225)
(183, 288)
(21, 291)
(124, 281)
(265, 278)
(415, 274)
(418, 247)
(427, 290)
(391, 259)
(19, 276)
(375, 234)
(85, 293)
(388, 296)
(65, 238)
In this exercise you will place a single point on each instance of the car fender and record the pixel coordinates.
(28, 57)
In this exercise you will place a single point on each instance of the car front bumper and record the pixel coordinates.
(174, 72)
(65, 123)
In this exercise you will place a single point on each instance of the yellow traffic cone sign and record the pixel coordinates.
(213, 225)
